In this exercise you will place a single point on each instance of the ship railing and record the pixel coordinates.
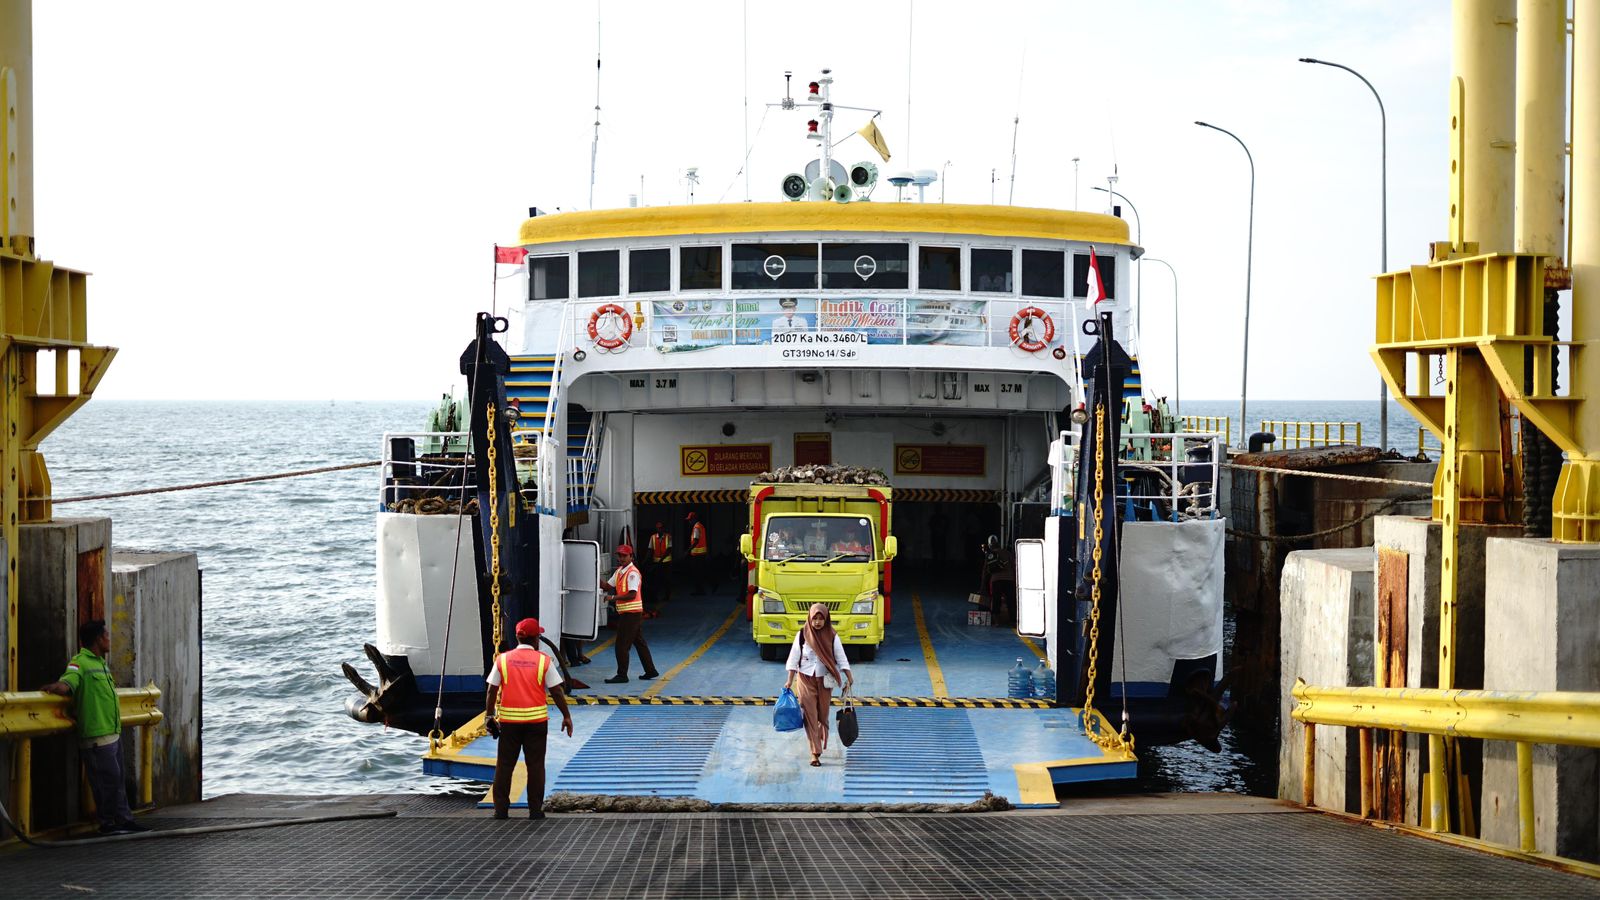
(679, 323)
(1521, 718)
(437, 465)
(1292, 433)
(1187, 489)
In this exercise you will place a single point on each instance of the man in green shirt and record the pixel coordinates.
(94, 707)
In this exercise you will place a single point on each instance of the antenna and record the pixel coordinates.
(1011, 195)
(594, 147)
(911, 21)
(1075, 184)
(692, 176)
(745, 78)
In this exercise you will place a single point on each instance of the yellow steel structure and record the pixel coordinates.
(1302, 433)
(1524, 718)
(43, 307)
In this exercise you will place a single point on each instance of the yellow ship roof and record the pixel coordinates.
(731, 218)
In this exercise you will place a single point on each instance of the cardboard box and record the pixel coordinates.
(977, 617)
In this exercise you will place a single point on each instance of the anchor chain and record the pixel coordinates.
(1122, 740)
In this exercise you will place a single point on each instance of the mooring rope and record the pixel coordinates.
(1336, 476)
(226, 481)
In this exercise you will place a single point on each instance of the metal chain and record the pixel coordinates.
(494, 528)
(1091, 727)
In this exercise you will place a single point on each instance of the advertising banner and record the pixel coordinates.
(696, 324)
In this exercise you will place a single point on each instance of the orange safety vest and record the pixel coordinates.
(522, 693)
(661, 548)
(620, 582)
(697, 540)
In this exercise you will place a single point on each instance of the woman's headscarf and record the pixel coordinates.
(820, 640)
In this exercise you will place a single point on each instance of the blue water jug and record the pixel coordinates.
(1019, 682)
(1044, 681)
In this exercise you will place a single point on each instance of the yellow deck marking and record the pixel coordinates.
(600, 647)
(1035, 784)
(661, 683)
(1032, 647)
(519, 785)
(934, 675)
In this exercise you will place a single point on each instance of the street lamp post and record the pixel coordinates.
(1250, 234)
(1383, 229)
(1177, 382)
(1138, 238)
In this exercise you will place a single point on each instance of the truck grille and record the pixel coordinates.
(804, 606)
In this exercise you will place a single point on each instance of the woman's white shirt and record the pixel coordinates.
(804, 661)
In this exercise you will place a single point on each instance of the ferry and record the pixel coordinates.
(662, 359)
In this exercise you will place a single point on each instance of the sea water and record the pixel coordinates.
(289, 575)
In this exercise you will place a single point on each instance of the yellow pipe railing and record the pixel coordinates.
(1524, 718)
(1293, 433)
(1222, 425)
(25, 715)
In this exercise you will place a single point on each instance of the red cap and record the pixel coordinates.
(659, 525)
(689, 517)
(529, 628)
(625, 548)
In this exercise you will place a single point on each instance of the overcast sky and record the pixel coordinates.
(297, 200)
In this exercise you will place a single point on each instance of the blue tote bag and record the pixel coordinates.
(786, 715)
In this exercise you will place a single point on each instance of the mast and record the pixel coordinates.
(594, 146)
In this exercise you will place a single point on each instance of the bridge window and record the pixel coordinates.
(547, 278)
(649, 271)
(939, 268)
(700, 268)
(881, 267)
(991, 271)
(598, 274)
(1044, 273)
(1080, 274)
(759, 267)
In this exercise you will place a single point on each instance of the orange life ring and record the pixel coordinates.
(1024, 341)
(611, 341)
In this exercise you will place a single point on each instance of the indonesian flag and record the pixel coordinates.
(510, 255)
(1096, 287)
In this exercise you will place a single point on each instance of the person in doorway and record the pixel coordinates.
(626, 592)
(660, 559)
(516, 711)
(699, 568)
(817, 666)
(98, 719)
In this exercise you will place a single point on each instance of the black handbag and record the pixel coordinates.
(849, 728)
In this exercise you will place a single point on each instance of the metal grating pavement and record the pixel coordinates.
(914, 756)
(1264, 855)
(645, 751)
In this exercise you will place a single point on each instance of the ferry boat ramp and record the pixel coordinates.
(1152, 845)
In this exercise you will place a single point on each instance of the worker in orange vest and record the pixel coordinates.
(626, 589)
(516, 712)
(660, 560)
(699, 562)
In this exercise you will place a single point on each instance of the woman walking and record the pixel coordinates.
(816, 666)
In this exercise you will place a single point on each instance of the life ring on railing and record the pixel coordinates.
(610, 326)
(1025, 339)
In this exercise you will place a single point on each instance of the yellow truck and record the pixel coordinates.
(819, 543)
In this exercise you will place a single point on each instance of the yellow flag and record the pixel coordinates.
(875, 138)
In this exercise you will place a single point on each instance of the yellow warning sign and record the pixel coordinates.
(724, 459)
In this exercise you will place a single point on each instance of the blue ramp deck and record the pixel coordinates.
(935, 727)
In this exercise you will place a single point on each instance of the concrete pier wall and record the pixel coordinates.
(1543, 634)
(1420, 539)
(1326, 639)
(155, 615)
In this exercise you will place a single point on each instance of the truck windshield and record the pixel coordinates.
(818, 538)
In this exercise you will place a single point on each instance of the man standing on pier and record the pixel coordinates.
(99, 718)
(516, 711)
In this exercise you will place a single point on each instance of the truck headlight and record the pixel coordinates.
(770, 603)
(863, 603)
